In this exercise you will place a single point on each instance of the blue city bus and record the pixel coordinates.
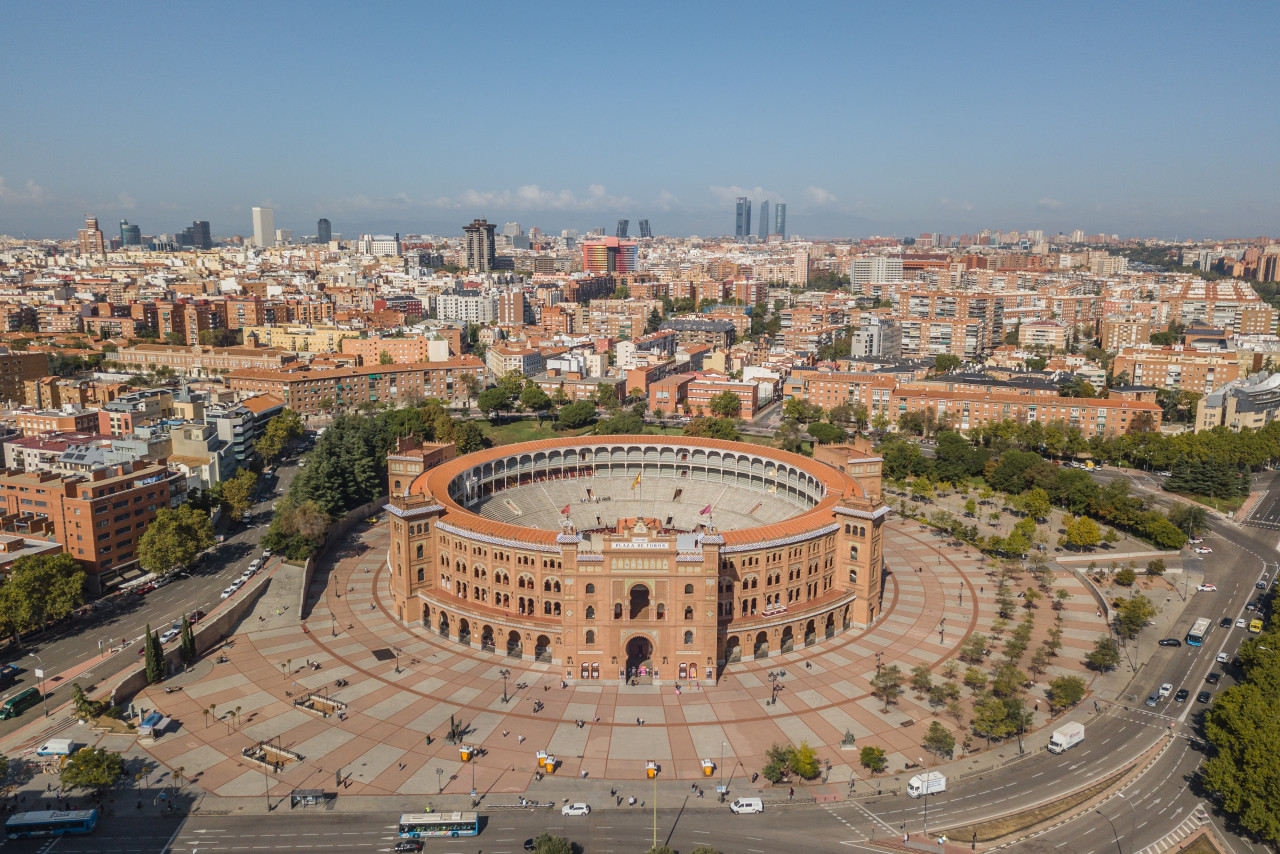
(51, 823)
(427, 824)
(1199, 631)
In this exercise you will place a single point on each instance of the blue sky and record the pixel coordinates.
(865, 118)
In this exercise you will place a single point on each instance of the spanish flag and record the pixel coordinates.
(636, 482)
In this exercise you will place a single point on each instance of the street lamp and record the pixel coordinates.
(504, 673)
(43, 699)
(396, 650)
(925, 795)
(440, 780)
(1133, 819)
(723, 745)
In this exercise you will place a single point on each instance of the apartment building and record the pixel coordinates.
(402, 351)
(68, 419)
(238, 425)
(967, 410)
(702, 388)
(97, 518)
(1252, 402)
(15, 370)
(128, 412)
(301, 339)
(502, 360)
(574, 386)
(1120, 332)
(1177, 367)
(198, 361)
(307, 391)
(829, 389)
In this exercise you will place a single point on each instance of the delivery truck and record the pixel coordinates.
(926, 784)
(1066, 737)
(57, 747)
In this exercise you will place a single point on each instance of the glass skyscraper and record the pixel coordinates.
(743, 227)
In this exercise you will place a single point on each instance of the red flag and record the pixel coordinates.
(705, 510)
(566, 509)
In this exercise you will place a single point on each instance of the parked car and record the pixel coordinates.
(1170, 642)
(1203, 697)
(1260, 585)
(1166, 689)
(1153, 700)
(1203, 550)
(1207, 588)
(1241, 622)
(196, 616)
(1195, 541)
(1213, 678)
(575, 809)
(1181, 696)
(172, 633)
(229, 592)
(1222, 658)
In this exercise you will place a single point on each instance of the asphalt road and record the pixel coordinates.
(125, 617)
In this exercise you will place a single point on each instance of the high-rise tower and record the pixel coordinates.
(264, 227)
(743, 227)
(130, 235)
(645, 231)
(764, 220)
(324, 231)
(780, 220)
(91, 242)
(481, 254)
(623, 224)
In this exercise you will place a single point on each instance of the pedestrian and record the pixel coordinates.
(519, 739)
(597, 719)
(637, 722)
(791, 793)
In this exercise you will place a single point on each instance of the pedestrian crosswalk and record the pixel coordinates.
(1197, 819)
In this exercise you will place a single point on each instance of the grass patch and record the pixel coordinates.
(1222, 505)
(1001, 827)
(510, 432)
(1202, 845)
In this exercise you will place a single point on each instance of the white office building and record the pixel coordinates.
(879, 337)
(264, 227)
(866, 269)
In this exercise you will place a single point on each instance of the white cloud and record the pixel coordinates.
(666, 201)
(729, 195)
(126, 201)
(954, 205)
(533, 197)
(1049, 204)
(32, 192)
(819, 197)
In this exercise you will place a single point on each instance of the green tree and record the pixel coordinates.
(187, 642)
(575, 415)
(1082, 533)
(974, 648)
(1243, 772)
(1007, 680)
(1066, 691)
(873, 759)
(654, 323)
(297, 529)
(384, 358)
(991, 719)
(1126, 577)
(1133, 614)
(804, 762)
(238, 491)
(975, 679)
(938, 740)
(827, 434)
(472, 385)
(38, 589)
(726, 404)
(174, 538)
(945, 362)
(887, 684)
(713, 428)
(921, 678)
(91, 768)
(276, 436)
(494, 400)
(1036, 503)
(1155, 567)
(535, 400)
(154, 656)
(469, 437)
(970, 508)
(1105, 654)
(545, 843)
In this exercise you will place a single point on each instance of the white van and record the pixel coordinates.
(747, 805)
(57, 747)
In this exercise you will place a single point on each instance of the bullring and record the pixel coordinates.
(635, 557)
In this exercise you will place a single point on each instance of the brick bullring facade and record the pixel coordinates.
(635, 556)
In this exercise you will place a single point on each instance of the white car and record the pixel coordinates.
(1203, 550)
(575, 809)
(1241, 622)
(1207, 588)
(253, 567)
(171, 634)
(229, 592)
(1222, 658)
(1165, 690)
(266, 553)
(1195, 541)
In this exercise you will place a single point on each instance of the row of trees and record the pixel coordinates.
(39, 589)
(1017, 471)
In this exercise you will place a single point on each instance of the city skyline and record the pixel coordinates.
(1055, 120)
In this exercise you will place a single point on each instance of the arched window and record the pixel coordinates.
(591, 588)
(590, 638)
(591, 613)
(546, 608)
(422, 574)
(688, 613)
(617, 610)
(688, 589)
(546, 586)
(688, 637)
(555, 609)
(419, 551)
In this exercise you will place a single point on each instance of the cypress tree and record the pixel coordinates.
(187, 643)
(154, 656)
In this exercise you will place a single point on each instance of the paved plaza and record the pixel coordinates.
(390, 739)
